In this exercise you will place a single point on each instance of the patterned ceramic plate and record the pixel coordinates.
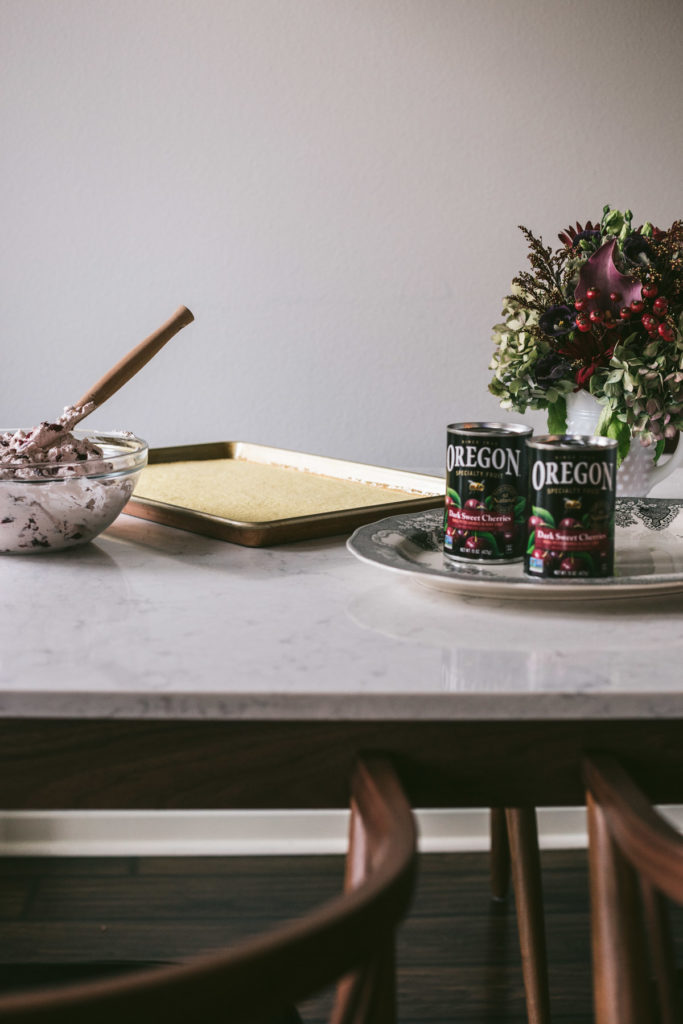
(648, 556)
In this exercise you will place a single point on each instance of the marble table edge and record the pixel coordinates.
(278, 707)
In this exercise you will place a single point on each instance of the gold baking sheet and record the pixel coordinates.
(276, 470)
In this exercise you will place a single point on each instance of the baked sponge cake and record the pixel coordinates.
(253, 492)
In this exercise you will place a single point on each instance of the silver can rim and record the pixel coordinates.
(571, 442)
(489, 428)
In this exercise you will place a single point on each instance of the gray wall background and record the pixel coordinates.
(332, 186)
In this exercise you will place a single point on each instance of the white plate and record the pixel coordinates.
(648, 556)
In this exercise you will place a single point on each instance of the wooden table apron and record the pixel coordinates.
(51, 764)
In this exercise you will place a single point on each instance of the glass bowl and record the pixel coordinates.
(48, 506)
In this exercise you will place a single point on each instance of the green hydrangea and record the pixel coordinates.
(518, 347)
(643, 387)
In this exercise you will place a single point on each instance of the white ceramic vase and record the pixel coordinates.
(638, 473)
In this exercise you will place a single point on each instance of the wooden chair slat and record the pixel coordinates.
(263, 975)
(635, 859)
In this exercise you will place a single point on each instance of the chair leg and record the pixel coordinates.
(500, 854)
(663, 956)
(369, 994)
(620, 980)
(526, 881)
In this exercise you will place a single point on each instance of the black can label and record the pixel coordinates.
(486, 492)
(571, 497)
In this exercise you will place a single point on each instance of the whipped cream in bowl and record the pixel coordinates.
(60, 487)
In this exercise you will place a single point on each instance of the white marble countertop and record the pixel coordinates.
(150, 622)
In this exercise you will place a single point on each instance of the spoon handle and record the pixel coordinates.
(134, 361)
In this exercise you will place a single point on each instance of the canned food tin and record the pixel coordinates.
(571, 497)
(486, 491)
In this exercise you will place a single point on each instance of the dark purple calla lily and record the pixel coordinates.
(557, 320)
(601, 275)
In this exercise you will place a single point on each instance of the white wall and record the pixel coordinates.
(333, 187)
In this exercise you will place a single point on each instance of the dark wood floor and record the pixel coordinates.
(458, 955)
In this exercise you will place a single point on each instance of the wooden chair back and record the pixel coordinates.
(636, 865)
(349, 940)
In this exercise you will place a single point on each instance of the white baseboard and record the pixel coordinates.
(241, 833)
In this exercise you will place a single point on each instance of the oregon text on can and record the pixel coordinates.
(467, 456)
(565, 472)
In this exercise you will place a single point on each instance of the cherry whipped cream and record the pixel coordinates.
(55, 491)
(50, 449)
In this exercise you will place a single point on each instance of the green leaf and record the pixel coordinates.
(659, 448)
(532, 542)
(604, 421)
(455, 497)
(543, 514)
(557, 417)
(622, 435)
(620, 346)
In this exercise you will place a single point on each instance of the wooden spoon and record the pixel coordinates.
(130, 364)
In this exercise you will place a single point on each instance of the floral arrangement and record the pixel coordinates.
(604, 313)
